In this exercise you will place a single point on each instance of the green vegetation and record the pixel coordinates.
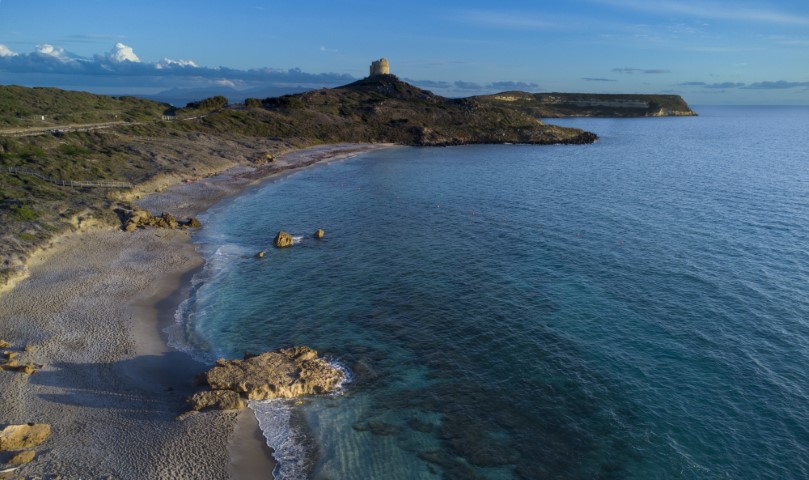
(24, 213)
(22, 107)
(252, 103)
(208, 104)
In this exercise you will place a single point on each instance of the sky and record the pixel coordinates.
(709, 51)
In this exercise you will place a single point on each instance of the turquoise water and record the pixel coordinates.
(635, 308)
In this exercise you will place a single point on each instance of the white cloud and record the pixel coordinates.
(167, 62)
(49, 50)
(122, 53)
(225, 83)
(6, 52)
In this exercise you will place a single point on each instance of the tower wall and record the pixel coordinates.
(380, 67)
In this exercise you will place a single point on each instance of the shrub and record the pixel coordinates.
(212, 103)
(24, 213)
(252, 102)
(73, 150)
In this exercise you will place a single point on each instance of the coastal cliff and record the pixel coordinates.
(556, 105)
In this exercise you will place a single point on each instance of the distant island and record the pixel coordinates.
(48, 136)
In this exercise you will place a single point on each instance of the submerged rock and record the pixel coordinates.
(4, 344)
(286, 373)
(21, 437)
(282, 240)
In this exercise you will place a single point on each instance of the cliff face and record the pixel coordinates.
(554, 105)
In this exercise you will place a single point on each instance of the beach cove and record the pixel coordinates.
(93, 307)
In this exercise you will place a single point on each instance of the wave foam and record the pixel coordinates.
(289, 447)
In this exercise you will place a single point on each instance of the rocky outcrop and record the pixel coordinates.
(22, 437)
(319, 233)
(282, 240)
(217, 399)
(22, 458)
(10, 362)
(286, 373)
(139, 218)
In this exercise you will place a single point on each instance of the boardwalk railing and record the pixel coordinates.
(67, 183)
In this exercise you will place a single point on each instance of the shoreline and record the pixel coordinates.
(95, 306)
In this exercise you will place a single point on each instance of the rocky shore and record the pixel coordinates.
(92, 310)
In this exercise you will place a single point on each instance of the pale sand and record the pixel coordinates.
(94, 306)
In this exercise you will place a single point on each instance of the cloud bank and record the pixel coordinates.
(768, 85)
(122, 67)
(641, 70)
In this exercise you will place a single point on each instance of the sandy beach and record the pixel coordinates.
(93, 308)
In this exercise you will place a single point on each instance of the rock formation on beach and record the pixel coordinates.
(20, 437)
(10, 360)
(17, 442)
(286, 373)
(139, 218)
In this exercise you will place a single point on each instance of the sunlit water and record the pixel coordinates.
(636, 308)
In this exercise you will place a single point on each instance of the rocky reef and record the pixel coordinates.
(286, 373)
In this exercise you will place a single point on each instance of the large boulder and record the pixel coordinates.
(25, 436)
(282, 240)
(286, 373)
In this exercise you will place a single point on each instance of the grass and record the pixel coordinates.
(27, 237)
(24, 213)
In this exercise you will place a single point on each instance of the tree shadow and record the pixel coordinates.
(141, 388)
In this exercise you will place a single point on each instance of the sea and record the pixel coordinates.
(633, 309)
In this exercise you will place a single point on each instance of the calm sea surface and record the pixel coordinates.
(637, 308)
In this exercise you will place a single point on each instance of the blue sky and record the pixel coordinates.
(711, 52)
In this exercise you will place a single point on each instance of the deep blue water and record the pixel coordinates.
(636, 308)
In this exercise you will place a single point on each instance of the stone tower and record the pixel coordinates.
(380, 67)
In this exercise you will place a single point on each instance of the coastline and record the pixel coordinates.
(94, 307)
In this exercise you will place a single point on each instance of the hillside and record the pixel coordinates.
(22, 107)
(383, 109)
(554, 105)
(205, 137)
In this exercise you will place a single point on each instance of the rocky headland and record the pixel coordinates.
(558, 105)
